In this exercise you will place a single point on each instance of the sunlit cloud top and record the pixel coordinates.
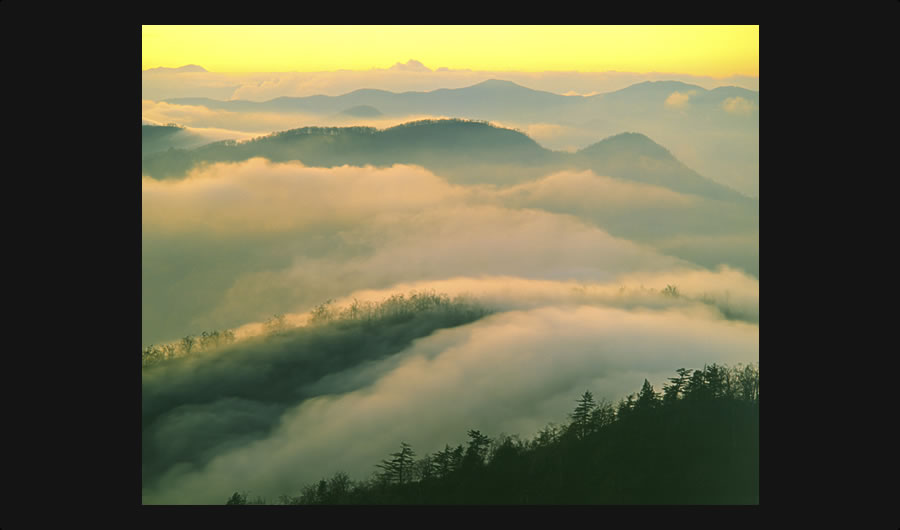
(716, 51)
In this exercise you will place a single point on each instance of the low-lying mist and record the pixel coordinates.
(274, 413)
(515, 300)
(234, 243)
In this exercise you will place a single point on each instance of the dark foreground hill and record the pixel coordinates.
(197, 398)
(698, 443)
(464, 152)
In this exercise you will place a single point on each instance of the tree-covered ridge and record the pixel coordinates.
(464, 151)
(193, 403)
(697, 442)
(395, 309)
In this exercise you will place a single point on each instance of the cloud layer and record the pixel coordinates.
(575, 308)
(234, 243)
(511, 372)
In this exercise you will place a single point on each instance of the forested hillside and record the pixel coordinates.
(697, 442)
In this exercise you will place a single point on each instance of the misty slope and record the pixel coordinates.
(197, 405)
(698, 443)
(635, 157)
(643, 94)
(715, 132)
(465, 152)
(157, 138)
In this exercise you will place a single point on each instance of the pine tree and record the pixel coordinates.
(398, 467)
(647, 399)
(583, 414)
(671, 392)
(477, 451)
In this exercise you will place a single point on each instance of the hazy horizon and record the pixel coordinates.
(408, 76)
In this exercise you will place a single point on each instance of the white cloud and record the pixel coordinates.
(738, 105)
(678, 100)
(512, 372)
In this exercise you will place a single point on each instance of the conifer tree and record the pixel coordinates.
(647, 399)
(583, 414)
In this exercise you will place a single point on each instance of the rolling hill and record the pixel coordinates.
(464, 152)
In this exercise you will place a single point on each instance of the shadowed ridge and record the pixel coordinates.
(362, 111)
(630, 143)
(458, 133)
(634, 156)
(663, 88)
(463, 151)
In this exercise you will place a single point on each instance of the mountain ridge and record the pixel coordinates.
(464, 151)
(181, 69)
(489, 99)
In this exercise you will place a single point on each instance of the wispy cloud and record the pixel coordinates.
(520, 369)
(738, 105)
(678, 100)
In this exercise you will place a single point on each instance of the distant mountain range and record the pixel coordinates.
(465, 152)
(180, 70)
(497, 99)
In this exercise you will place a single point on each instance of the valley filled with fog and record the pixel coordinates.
(325, 276)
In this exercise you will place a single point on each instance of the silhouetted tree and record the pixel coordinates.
(423, 468)
(546, 436)
(671, 391)
(237, 498)
(339, 487)
(583, 414)
(647, 399)
(398, 467)
(716, 382)
(444, 462)
(748, 383)
(625, 406)
(603, 415)
(696, 388)
(476, 452)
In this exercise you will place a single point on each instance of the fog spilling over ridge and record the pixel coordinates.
(709, 128)
(518, 367)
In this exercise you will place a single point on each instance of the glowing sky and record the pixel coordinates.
(716, 51)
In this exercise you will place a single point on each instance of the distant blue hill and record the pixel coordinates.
(492, 99)
(362, 111)
(181, 69)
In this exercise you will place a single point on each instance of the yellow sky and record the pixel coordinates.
(716, 51)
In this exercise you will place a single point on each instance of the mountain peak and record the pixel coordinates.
(496, 83)
(629, 142)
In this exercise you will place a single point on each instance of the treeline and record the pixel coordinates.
(697, 442)
(395, 309)
(432, 143)
(206, 341)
